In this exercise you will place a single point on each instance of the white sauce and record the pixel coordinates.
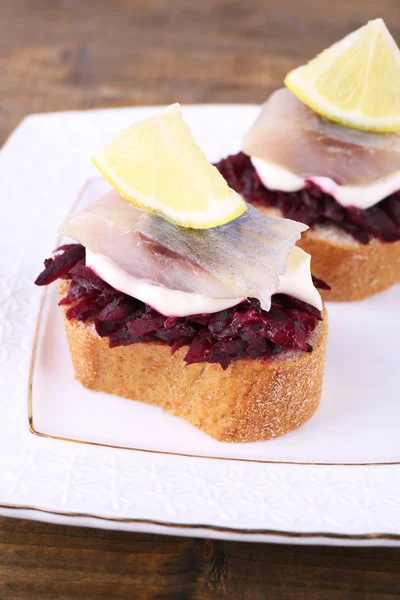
(295, 282)
(279, 178)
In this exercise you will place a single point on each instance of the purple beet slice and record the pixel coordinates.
(242, 331)
(60, 265)
(320, 284)
(312, 206)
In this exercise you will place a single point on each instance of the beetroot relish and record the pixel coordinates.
(242, 331)
(312, 206)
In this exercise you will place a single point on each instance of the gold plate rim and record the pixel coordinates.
(207, 527)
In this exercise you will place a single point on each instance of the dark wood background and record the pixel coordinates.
(77, 54)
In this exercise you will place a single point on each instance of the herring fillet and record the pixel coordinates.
(291, 135)
(243, 258)
(111, 226)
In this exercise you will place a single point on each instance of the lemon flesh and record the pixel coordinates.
(355, 82)
(157, 165)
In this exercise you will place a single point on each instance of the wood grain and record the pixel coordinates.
(78, 54)
(45, 562)
(74, 54)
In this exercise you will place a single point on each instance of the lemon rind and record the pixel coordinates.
(217, 213)
(354, 119)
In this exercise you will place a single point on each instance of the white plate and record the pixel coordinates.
(336, 480)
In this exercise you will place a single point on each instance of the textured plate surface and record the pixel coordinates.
(43, 166)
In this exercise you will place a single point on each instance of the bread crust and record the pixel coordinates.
(251, 400)
(353, 270)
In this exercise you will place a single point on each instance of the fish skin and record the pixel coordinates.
(290, 134)
(243, 258)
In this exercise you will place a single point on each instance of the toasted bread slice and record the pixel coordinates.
(353, 270)
(252, 400)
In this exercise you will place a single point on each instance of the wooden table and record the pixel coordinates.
(66, 54)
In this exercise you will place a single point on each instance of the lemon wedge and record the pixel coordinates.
(355, 82)
(157, 165)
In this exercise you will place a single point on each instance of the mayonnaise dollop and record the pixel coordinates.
(279, 178)
(296, 282)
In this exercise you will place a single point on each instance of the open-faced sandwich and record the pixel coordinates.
(326, 151)
(179, 294)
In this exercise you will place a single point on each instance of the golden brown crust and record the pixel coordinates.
(252, 400)
(353, 270)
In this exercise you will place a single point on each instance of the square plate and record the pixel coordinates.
(336, 480)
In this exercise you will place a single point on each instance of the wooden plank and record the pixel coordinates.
(44, 562)
(73, 55)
